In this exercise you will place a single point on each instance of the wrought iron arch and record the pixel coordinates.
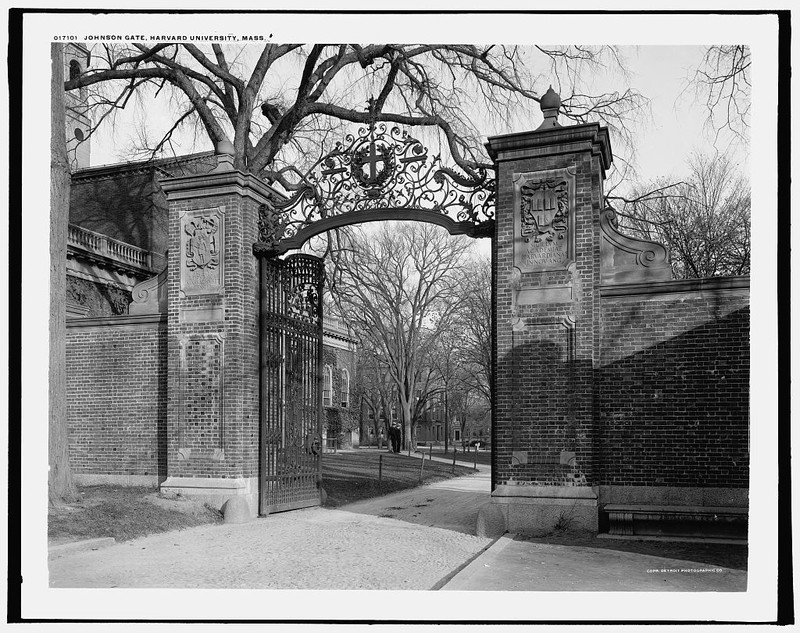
(377, 174)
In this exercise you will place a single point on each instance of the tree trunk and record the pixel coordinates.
(446, 419)
(60, 485)
(405, 405)
(361, 429)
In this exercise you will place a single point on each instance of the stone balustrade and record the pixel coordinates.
(116, 250)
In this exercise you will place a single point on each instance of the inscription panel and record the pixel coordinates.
(544, 220)
(202, 250)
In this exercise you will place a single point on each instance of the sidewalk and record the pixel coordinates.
(310, 549)
(411, 539)
(452, 504)
(510, 565)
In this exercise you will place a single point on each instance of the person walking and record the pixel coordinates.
(396, 436)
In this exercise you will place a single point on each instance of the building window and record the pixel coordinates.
(344, 388)
(327, 386)
(457, 435)
(74, 70)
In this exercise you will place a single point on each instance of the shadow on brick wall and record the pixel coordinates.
(677, 413)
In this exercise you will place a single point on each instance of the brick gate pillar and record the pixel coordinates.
(213, 344)
(547, 250)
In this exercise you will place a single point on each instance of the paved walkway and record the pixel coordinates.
(452, 504)
(510, 565)
(422, 538)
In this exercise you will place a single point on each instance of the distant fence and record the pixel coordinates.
(331, 445)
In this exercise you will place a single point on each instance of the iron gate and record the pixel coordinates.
(291, 376)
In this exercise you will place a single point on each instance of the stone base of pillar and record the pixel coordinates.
(543, 510)
(215, 491)
(145, 481)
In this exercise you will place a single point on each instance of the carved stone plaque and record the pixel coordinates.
(544, 220)
(202, 251)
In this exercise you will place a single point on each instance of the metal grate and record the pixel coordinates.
(291, 394)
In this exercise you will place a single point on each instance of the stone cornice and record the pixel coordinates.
(114, 171)
(710, 284)
(219, 183)
(116, 321)
(138, 167)
(558, 140)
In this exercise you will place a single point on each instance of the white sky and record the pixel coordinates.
(678, 122)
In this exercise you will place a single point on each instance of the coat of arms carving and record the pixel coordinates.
(545, 210)
(365, 162)
(543, 223)
(201, 253)
(201, 247)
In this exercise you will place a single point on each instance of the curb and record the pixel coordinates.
(449, 577)
(56, 551)
(484, 559)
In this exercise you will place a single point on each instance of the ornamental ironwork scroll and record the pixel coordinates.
(378, 173)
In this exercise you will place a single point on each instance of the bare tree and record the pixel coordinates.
(721, 82)
(273, 102)
(398, 287)
(449, 371)
(376, 387)
(704, 221)
(60, 484)
(462, 357)
(474, 325)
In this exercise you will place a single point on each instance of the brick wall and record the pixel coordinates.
(673, 388)
(116, 396)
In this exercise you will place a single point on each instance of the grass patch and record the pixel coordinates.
(353, 476)
(124, 513)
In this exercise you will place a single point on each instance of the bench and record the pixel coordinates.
(689, 521)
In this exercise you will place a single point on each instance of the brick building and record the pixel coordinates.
(342, 413)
